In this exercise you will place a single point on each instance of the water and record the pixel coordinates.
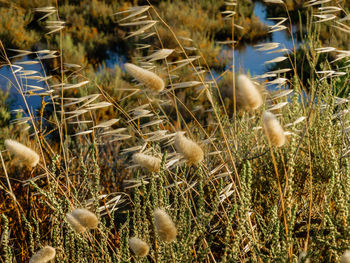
(8, 80)
(248, 59)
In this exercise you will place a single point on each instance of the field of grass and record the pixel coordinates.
(161, 160)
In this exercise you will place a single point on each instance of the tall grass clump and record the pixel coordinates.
(114, 158)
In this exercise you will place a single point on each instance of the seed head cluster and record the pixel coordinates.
(146, 77)
(24, 154)
(75, 224)
(345, 258)
(43, 255)
(303, 258)
(165, 226)
(147, 161)
(188, 148)
(247, 94)
(139, 247)
(81, 219)
(273, 129)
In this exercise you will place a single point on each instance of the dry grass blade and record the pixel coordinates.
(135, 11)
(279, 81)
(82, 133)
(267, 46)
(113, 132)
(186, 84)
(276, 60)
(54, 29)
(151, 123)
(99, 105)
(274, 1)
(324, 18)
(278, 106)
(160, 54)
(30, 62)
(49, 10)
(141, 30)
(280, 71)
(315, 2)
(276, 29)
(282, 94)
(74, 86)
(106, 124)
(139, 23)
(325, 49)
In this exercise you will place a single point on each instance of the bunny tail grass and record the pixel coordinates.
(43, 255)
(148, 78)
(84, 217)
(248, 96)
(139, 247)
(165, 226)
(147, 161)
(188, 148)
(26, 155)
(273, 129)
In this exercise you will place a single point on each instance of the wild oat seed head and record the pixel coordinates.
(147, 161)
(303, 258)
(25, 155)
(165, 226)
(188, 148)
(85, 218)
(75, 224)
(248, 96)
(148, 78)
(139, 247)
(273, 129)
(43, 255)
(345, 258)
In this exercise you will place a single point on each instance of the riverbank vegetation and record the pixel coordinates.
(173, 157)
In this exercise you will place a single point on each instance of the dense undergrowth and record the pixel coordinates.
(246, 201)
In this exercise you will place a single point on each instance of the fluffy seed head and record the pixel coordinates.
(139, 247)
(165, 226)
(188, 148)
(345, 258)
(148, 78)
(303, 258)
(75, 224)
(84, 217)
(247, 94)
(273, 129)
(147, 161)
(43, 255)
(25, 155)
